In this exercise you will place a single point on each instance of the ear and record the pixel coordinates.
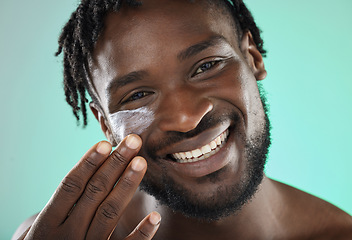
(98, 113)
(252, 55)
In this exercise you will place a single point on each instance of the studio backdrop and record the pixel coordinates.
(309, 89)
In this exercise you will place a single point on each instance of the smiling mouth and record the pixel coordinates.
(203, 152)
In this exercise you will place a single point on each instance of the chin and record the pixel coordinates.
(219, 194)
(222, 192)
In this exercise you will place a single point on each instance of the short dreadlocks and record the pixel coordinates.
(81, 32)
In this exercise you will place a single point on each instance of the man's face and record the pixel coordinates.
(174, 73)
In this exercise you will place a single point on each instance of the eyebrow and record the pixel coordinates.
(135, 76)
(119, 82)
(199, 47)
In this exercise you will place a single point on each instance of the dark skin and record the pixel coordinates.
(175, 94)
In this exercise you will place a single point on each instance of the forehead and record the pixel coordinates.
(136, 39)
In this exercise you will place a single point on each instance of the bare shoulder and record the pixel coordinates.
(24, 226)
(311, 216)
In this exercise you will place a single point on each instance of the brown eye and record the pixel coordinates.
(206, 66)
(137, 96)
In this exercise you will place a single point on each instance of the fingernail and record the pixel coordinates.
(103, 148)
(138, 164)
(154, 218)
(132, 142)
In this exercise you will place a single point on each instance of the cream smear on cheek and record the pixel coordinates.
(130, 121)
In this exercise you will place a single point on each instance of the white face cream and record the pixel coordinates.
(130, 121)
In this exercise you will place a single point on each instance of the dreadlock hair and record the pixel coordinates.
(81, 32)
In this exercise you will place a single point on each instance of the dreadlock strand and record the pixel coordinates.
(69, 91)
(77, 74)
(65, 32)
(70, 78)
(84, 100)
(83, 29)
(65, 40)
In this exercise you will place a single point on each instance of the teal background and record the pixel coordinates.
(309, 88)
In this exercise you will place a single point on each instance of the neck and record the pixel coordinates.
(255, 220)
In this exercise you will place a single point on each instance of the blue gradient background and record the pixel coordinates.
(309, 88)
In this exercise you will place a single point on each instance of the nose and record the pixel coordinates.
(182, 110)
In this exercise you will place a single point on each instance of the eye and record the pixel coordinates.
(206, 66)
(136, 96)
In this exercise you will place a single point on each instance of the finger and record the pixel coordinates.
(72, 186)
(103, 181)
(110, 211)
(147, 228)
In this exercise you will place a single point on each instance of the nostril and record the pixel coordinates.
(184, 117)
(180, 122)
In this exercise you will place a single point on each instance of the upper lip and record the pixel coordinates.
(194, 142)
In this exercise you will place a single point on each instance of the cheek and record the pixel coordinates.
(130, 121)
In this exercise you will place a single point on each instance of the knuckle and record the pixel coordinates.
(117, 160)
(141, 234)
(108, 212)
(96, 187)
(126, 184)
(71, 185)
(89, 163)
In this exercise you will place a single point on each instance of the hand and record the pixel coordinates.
(88, 205)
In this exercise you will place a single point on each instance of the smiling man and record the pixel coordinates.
(174, 85)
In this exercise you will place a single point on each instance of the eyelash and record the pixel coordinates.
(208, 65)
(136, 96)
(202, 68)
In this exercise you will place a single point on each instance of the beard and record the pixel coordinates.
(226, 200)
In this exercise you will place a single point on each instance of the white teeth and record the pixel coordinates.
(183, 155)
(203, 152)
(205, 149)
(214, 144)
(222, 137)
(218, 140)
(196, 153)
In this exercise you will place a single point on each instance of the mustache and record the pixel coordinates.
(210, 120)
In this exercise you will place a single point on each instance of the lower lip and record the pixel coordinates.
(206, 166)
